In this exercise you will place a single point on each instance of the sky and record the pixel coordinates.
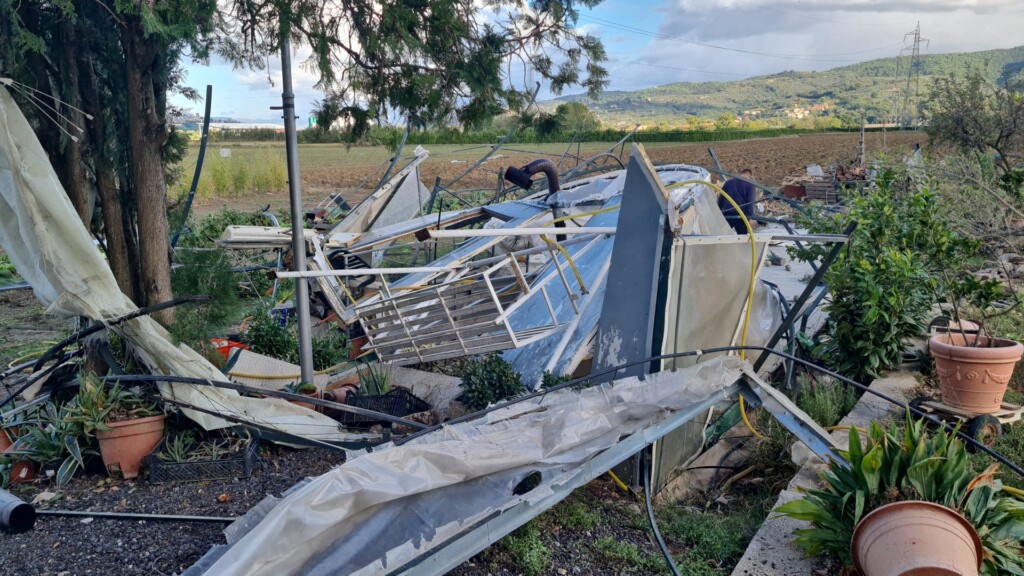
(654, 42)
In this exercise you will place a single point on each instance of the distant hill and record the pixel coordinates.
(873, 88)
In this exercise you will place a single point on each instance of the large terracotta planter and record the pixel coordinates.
(915, 538)
(127, 443)
(971, 378)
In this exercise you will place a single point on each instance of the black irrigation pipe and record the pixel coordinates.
(31, 381)
(251, 424)
(100, 326)
(275, 393)
(578, 381)
(650, 516)
(137, 516)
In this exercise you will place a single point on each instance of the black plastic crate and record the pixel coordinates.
(239, 466)
(396, 402)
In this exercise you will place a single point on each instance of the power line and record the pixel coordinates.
(658, 35)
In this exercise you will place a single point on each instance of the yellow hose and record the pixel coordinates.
(561, 249)
(286, 376)
(618, 482)
(750, 288)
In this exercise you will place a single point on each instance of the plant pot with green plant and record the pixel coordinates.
(974, 368)
(49, 442)
(303, 389)
(376, 393)
(126, 425)
(907, 502)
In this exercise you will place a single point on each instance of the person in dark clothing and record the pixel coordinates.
(744, 194)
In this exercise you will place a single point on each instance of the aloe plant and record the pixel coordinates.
(97, 404)
(911, 464)
(374, 379)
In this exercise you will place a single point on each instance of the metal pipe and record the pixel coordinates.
(361, 272)
(15, 514)
(510, 232)
(798, 304)
(199, 166)
(295, 194)
(137, 516)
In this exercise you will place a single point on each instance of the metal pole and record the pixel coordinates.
(199, 166)
(295, 193)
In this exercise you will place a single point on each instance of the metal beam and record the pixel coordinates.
(763, 238)
(456, 551)
(501, 232)
(358, 272)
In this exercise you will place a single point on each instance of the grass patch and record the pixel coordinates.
(713, 542)
(577, 516)
(825, 402)
(627, 556)
(522, 550)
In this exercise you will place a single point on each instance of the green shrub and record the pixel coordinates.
(488, 380)
(205, 274)
(265, 335)
(203, 232)
(883, 283)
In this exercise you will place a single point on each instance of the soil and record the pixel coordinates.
(73, 546)
(770, 159)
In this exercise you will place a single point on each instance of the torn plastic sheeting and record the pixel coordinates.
(383, 509)
(42, 234)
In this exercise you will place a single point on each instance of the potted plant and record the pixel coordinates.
(376, 393)
(181, 457)
(126, 425)
(973, 368)
(906, 502)
(303, 389)
(52, 445)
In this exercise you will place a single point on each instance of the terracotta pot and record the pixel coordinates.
(127, 443)
(22, 471)
(5, 441)
(915, 538)
(974, 379)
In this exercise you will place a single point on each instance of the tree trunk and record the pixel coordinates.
(75, 181)
(147, 134)
(106, 183)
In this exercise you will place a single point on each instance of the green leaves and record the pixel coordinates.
(488, 380)
(882, 285)
(886, 466)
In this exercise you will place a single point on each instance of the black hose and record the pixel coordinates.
(148, 378)
(650, 514)
(100, 326)
(582, 381)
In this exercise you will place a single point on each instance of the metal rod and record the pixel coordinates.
(295, 194)
(199, 166)
(500, 232)
(743, 238)
(494, 148)
(272, 393)
(394, 159)
(137, 516)
(798, 304)
(360, 272)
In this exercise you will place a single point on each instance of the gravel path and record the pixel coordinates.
(76, 546)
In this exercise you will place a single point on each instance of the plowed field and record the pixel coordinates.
(355, 171)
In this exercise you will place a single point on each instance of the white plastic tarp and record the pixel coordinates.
(41, 233)
(382, 509)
